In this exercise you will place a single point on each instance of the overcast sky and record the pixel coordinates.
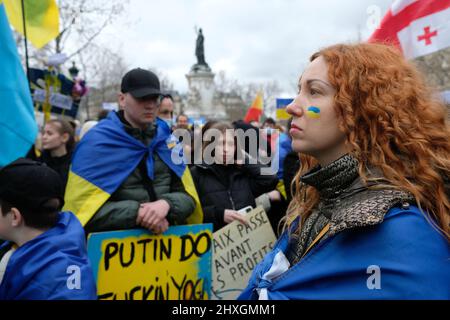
(251, 40)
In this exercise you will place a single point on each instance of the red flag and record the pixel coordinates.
(256, 109)
(417, 27)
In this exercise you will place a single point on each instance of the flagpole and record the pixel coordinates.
(26, 42)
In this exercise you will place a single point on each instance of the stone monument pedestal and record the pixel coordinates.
(200, 100)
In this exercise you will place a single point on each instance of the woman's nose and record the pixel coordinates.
(294, 109)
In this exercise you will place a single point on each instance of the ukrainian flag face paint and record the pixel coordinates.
(313, 112)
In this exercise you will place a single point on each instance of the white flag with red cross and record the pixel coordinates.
(418, 27)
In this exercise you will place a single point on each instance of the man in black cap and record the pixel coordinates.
(125, 156)
(45, 255)
(139, 97)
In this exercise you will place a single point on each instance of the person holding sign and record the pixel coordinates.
(44, 257)
(224, 185)
(370, 216)
(122, 173)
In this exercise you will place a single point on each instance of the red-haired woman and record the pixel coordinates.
(370, 217)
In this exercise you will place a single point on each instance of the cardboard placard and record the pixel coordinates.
(237, 250)
(137, 265)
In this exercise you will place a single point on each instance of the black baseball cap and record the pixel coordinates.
(140, 83)
(29, 184)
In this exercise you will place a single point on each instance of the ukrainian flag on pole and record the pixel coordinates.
(41, 17)
(18, 126)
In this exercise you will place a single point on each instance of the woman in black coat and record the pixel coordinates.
(58, 142)
(225, 185)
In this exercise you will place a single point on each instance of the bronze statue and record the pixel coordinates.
(200, 49)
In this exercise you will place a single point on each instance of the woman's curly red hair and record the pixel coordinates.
(393, 121)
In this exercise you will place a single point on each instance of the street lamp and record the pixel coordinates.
(73, 70)
(79, 87)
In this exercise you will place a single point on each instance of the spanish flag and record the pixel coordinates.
(256, 109)
(106, 156)
(41, 18)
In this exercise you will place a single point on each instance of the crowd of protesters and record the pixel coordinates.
(359, 176)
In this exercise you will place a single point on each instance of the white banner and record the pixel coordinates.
(56, 99)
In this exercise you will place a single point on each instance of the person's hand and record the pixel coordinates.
(151, 214)
(161, 227)
(274, 195)
(231, 215)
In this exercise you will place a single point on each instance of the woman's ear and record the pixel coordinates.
(65, 137)
(121, 100)
(16, 217)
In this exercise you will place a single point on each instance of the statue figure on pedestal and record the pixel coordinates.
(200, 53)
(200, 49)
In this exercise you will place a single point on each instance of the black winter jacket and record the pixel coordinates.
(59, 164)
(229, 187)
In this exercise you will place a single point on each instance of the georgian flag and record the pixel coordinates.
(418, 27)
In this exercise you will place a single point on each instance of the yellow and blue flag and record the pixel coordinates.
(18, 126)
(41, 18)
(106, 156)
(281, 108)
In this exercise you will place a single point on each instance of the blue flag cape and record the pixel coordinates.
(107, 155)
(42, 268)
(412, 257)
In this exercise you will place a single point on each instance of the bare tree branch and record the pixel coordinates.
(89, 40)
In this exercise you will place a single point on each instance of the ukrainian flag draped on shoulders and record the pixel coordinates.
(107, 155)
(404, 257)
